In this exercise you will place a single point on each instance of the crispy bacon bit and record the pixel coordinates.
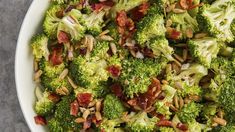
(63, 37)
(140, 11)
(147, 52)
(83, 51)
(74, 107)
(117, 89)
(188, 4)
(56, 57)
(121, 18)
(60, 14)
(174, 34)
(132, 102)
(39, 120)
(182, 126)
(87, 124)
(84, 99)
(164, 123)
(99, 6)
(54, 97)
(115, 71)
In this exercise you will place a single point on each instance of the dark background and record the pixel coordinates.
(12, 13)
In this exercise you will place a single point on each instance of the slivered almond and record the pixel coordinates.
(64, 74)
(35, 65)
(113, 48)
(178, 85)
(194, 97)
(86, 113)
(220, 121)
(82, 109)
(173, 108)
(62, 91)
(80, 120)
(133, 53)
(220, 114)
(200, 35)
(175, 67)
(189, 32)
(185, 54)
(181, 101)
(168, 23)
(37, 75)
(165, 82)
(178, 11)
(176, 101)
(71, 82)
(186, 100)
(98, 116)
(98, 105)
(106, 37)
(179, 58)
(92, 103)
(104, 32)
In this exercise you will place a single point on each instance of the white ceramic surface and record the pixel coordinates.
(24, 62)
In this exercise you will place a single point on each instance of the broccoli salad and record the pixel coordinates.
(136, 66)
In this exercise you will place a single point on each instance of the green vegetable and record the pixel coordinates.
(39, 45)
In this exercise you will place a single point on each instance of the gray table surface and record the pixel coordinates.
(12, 13)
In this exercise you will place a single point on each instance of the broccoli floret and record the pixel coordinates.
(166, 129)
(65, 1)
(192, 75)
(44, 105)
(183, 22)
(111, 125)
(187, 90)
(226, 97)
(52, 20)
(140, 122)
(232, 27)
(94, 21)
(161, 105)
(39, 46)
(113, 31)
(226, 51)
(194, 126)
(160, 47)
(125, 5)
(204, 49)
(209, 110)
(136, 74)
(227, 128)
(113, 107)
(189, 112)
(193, 12)
(62, 115)
(55, 125)
(72, 24)
(217, 18)
(149, 27)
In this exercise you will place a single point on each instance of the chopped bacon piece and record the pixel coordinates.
(130, 24)
(173, 34)
(56, 57)
(164, 123)
(188, 4)
(74, 107)
(121, 18)
(84, 99)
(140, 11)
(117, 89)
(87, 124)
(63, 37)
(115, 71)
(182, 126)
(101, 5)
(147, 52)
(54, 97)
(40, 120)
(132, 102)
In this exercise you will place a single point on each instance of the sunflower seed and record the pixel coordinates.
(113, 48)
(178, 11)
(98, 116)
(35, 64)
(220, 121)
(176, 101)
(64, 74)
(71, 82)
(98, 105)
(200, 35)
(80, 120)
(62, 91)
(37, 75)
(179, 58)
(181, 101)
(104, 32)
(185, 54)
(86, 114)
(106, 38)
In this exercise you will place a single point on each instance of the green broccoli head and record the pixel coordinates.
(55, 126)
(187, 90)
(125, 5)
(227, 128)
(113, 107)
(232, 27)
(140, 122)
(166, 129)
(113, 30)
(44, 105)
(217, 18)
(62, 116)
(183, 22)
(39, 45)
(209, 110)
(149, 27)
(160, 47)
(194, 126)
(161, 105)
(52, 20)
(192, 74)
(136, 74)
(226, 97)
(65, 1)
(94, 21)
(72, 24)
(204, 49)
(111, 125)
(189, 112)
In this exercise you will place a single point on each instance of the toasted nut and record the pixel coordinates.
(64, 74)
(82, 109)
(35, 65)
(177, 63)
(133, 53)
(179, 58)
(220, 121)
(178, 11)
(98, 105)
(186, 100)
(168, 23)
(62, 91)
(175, 67)
(106, 37)
(194, 97)
(79, 120)
(176, 101)
(214, 124)
(86, 113)
(113, 48)
(92, 103)
(72, 83)
(220, 114)
(37, 75)
(185, 54)
(98, 116)
(181, 102)
(165, 82)
(178, 85)
(173, 108)
(189, 32)
(200, 35)
(92, 110)
(104, 32)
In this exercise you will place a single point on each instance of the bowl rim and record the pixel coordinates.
(27, 119)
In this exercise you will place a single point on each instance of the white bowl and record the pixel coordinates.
(24, 62)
